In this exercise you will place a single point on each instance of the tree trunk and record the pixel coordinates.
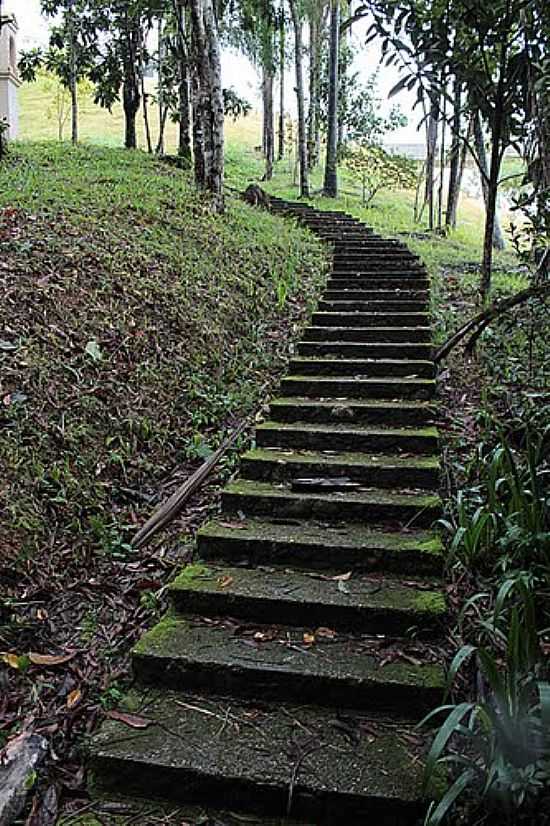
(202, 135)
(184, 141)
(455, 158)
(281, 147)
(313, 141)
(268, 124)
(215, 174)
(479, 142)
(145, 104)
(302, 133)
(73, 81)
(431, 153)
(331, 163)
(130, 87)
(162, 113)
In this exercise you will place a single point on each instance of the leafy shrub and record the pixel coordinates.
(375, 169)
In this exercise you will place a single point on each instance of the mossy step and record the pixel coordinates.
(346, 437)
(259, 758)
(364, 605)
(399, 305)
(333, 411)
(320, 546)
(410, 335)
(332, 366)
(374, 257)
(380, 507)
(366, 272)
(384, 471)
(345, 388)
(395, 294)
(357, 319)
(365, 350)
(277, 663)
(377, 282)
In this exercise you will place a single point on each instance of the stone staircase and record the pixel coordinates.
(302, 648)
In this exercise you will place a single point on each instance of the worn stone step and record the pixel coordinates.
(361, 604)
(379, 507)
(400, 414)
(271, 760)
(376, 261)
(367, 469)
(376, 295)
(332, 366)
(190, 655)
(386, 305)
(344, 388)
(347, 437)
(377, 281)
(320, 545)
(389, 319)
(368, 334)
(365, 350)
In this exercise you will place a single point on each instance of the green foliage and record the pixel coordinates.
(504, 517)
(500, 745)
(375, 169)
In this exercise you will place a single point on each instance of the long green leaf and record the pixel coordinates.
(449, 798)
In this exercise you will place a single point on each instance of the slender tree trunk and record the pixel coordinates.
(146, 123)
(184, 141)
(268, 122)
(162, 113)
(131, 98)
(331, 164)
(454, 160)
(314, 88)
(442, 152)
(73, 81)
(485, 175)
(302, 133)
(431, 154)
(215, 175)
(201, 102)
(281, 136)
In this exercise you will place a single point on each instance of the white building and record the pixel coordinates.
(9, 77)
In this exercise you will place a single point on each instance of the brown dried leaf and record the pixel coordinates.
(131, 720)
(50, 659)
(74, 698)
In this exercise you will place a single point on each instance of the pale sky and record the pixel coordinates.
(237, 70)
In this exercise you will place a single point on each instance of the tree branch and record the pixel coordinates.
(480, 322)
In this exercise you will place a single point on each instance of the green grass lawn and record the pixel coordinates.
(136, 327)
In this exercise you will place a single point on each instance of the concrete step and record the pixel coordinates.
(376, 295)
(265, 759)
(190, 655)
(377, 281)
(357, 319)
(320, 545)
(365, 350)
(385, 305)
(334, 366)
(379, 507)
(353, 388)
(365, 469)
(347, 437)
(356, 411)
(406, 335)
(364, 605)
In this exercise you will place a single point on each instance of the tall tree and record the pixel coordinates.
(331, 164)
(302, 129)
(282, 66)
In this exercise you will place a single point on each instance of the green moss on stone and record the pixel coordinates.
(430, 602)
(156, 638)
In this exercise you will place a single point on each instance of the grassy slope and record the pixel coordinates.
(136, 326)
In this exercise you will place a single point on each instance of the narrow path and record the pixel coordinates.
(302, 649)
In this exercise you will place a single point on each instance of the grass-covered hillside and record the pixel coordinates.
(136, 327)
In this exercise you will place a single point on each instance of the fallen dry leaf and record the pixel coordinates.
(225, 581)
(131, 720)
(309, 639)
(74, 698)
(50, 659)
(325, 633)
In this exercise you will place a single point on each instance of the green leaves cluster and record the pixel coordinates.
(375, 169)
